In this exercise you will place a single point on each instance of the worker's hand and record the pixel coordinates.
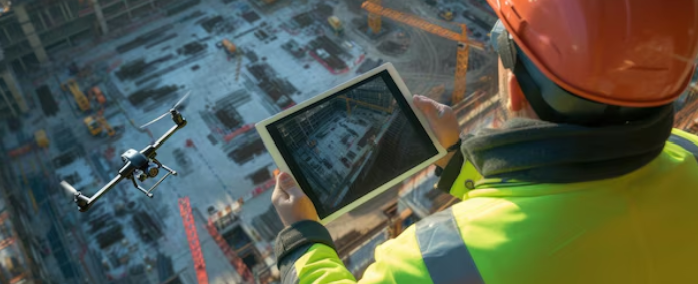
(290, 201)
(442, 121)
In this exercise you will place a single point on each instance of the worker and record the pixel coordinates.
(586, 182)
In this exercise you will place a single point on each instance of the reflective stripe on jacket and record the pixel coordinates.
(637, 228)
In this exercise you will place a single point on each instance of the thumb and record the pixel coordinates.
(289, 186)
(428, 107)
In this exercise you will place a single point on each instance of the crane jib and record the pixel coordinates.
(420, 23)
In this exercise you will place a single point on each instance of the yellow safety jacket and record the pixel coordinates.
(639, 227)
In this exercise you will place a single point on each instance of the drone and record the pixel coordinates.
(138, 165)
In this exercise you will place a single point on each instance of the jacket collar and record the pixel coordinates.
(543, 152)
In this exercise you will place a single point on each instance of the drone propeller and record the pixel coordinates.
(181, 100)
(69, 188)
(168, 112)
(155, 120)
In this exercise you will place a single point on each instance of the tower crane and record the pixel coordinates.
(193, 240)
(374, 19)
(464, 43)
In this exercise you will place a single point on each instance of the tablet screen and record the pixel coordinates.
(352, 142)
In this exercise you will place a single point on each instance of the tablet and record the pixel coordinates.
(353, 142)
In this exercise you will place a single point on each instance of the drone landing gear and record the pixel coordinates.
(152, 174)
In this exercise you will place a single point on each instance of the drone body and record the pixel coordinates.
(140, 165)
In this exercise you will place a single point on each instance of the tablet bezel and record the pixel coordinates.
(270, 144)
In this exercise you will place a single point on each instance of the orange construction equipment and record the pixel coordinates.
(193, 239)
(97, 123)
(232, 50)
(80, 98)
(97, 94)
(229, 47)
(462, 38)
(92, 125)
(374, 19)
(103, 121)
(608, 51)
(336, 24)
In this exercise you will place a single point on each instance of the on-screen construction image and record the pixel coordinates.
(352, 143)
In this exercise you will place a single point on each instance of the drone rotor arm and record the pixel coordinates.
(165, 136)
(105, 189)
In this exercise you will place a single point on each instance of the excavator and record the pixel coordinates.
(78, 95)
(96, 123)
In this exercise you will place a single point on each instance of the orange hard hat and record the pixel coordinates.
(638, 53)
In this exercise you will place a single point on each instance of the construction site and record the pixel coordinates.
(78, 79)
(353, 142)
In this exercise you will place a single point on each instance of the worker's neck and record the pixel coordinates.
(540, 151)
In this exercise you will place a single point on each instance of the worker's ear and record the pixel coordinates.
(517, 101)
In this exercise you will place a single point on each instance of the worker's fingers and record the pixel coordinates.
(422, 105)
(289, 186)
(432, 110)
(279, 193)
(429, 107)
(285, 181)
(440, 118)
(296, 193)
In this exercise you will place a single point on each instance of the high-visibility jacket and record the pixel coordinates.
(640, 227)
